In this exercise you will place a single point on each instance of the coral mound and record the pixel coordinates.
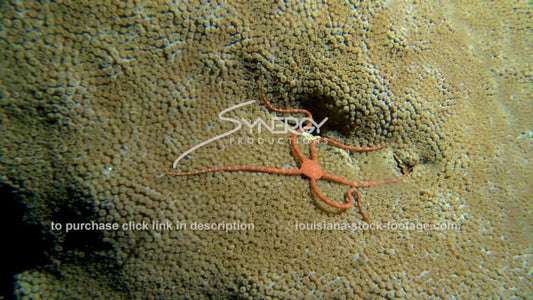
(98, 98)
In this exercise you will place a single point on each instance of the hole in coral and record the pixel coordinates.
(322, 107)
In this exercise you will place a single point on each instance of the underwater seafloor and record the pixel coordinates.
(99, 99)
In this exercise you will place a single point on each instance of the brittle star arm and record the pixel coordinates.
(346, 205)
(295, 148)
(294, 139)
(340, 145)
(289, 110)
(316, 190)
(359, 203)
(331, 177)
(239, 168)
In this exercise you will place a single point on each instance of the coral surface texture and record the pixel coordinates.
(99, 98)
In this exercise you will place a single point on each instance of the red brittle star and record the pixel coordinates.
(309, 167)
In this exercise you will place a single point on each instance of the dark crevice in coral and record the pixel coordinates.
(24, 245)
(320, 107)
(78, 210)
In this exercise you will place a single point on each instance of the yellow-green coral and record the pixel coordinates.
(99, 97)
(346, 67)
